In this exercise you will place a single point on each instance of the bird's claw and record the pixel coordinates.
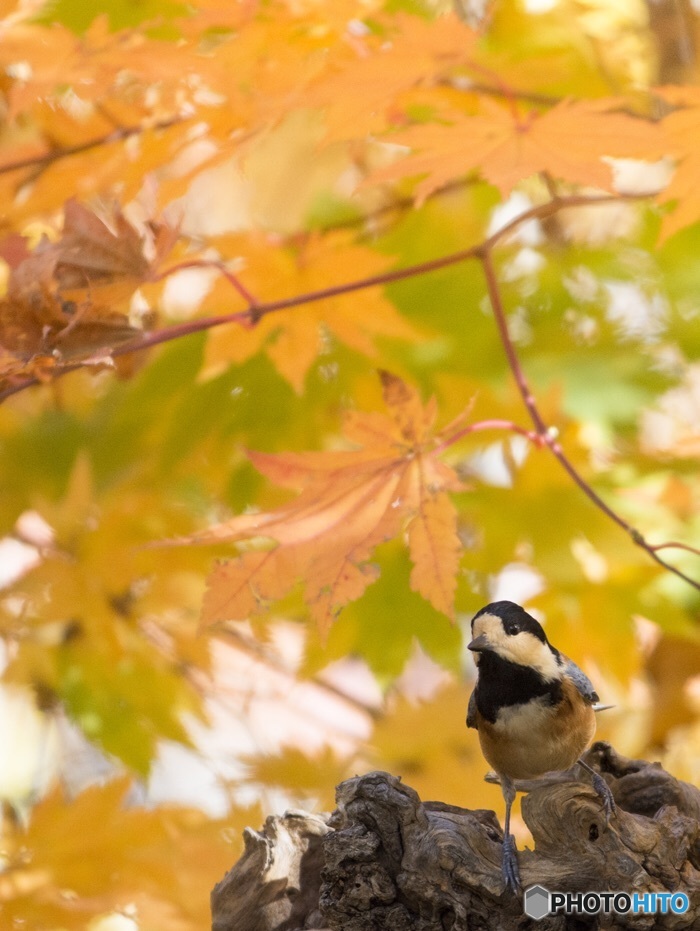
(603, 790)
(605, 793)
(509, 866)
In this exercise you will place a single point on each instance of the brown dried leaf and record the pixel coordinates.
(89, 252)
(50, 308)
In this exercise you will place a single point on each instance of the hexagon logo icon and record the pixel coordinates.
(536, 902)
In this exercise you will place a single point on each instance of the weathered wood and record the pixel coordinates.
(275, 884)
(385, 861)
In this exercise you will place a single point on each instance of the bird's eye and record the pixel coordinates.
(513, 629)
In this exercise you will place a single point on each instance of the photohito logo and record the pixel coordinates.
(540, 902)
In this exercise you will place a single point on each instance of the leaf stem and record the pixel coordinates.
(677, 546)
(490, 425)
(232, 279)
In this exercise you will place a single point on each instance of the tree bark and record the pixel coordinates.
(385, 861)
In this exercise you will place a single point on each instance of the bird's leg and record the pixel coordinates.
(509, 864)
(603, 790)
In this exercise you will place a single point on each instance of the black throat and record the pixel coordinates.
(502, 683)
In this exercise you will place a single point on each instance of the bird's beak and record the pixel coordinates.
(479, 644)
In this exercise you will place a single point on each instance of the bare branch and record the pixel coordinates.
(549, 435)
(491, 425)
(676, 546)
(116, 135)
(254, 312)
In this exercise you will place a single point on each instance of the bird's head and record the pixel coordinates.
(506, 629)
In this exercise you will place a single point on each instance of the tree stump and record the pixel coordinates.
(385, 861)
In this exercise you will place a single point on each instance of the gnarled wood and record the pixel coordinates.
(275, 884)
(385, 861)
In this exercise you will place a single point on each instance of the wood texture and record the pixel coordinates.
(385, 861)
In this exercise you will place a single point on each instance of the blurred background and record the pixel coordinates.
(137, 743)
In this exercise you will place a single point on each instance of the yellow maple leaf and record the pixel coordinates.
(294, 338)
(350, 502)
(163, 859)
(358, 94)
(568, 141)
(681, 128)
(435, 550)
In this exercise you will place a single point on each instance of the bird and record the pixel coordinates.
(532, 707)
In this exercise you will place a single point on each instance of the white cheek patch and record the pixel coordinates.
(524, 648)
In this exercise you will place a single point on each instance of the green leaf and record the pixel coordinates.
(122, 14)
(127, 703)
(385, 623)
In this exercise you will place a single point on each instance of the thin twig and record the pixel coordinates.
(116, 135)
(255, 312)
(549, 435)
(220, 266)
(480, 425)
(511, 355)
(396, 206)
(489, 90)
(676, 546)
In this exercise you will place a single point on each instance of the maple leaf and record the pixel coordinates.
(35, 320)
(358, 98)
(50, 305)
(350, 502)
(293, 338)
(568, 141)
(55, 58)
(90, 253)
(681, 128)
(65, 836)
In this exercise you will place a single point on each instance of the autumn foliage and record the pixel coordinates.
(322, 323)
(350, 502)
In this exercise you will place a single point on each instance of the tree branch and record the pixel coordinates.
(385, 859)
(116, 135)
(495, 424)
(255, 311)
(549, 434)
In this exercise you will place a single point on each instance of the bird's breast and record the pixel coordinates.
(529, 739)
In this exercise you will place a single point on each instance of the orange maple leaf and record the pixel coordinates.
(568, 141)
(681, 128)
(294, 338)
(350, 502)
(55, 58)
(359, 95)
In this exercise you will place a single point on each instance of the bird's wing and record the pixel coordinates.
(580, 680)
(471, 710)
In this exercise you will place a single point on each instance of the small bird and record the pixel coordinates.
(532, 707)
